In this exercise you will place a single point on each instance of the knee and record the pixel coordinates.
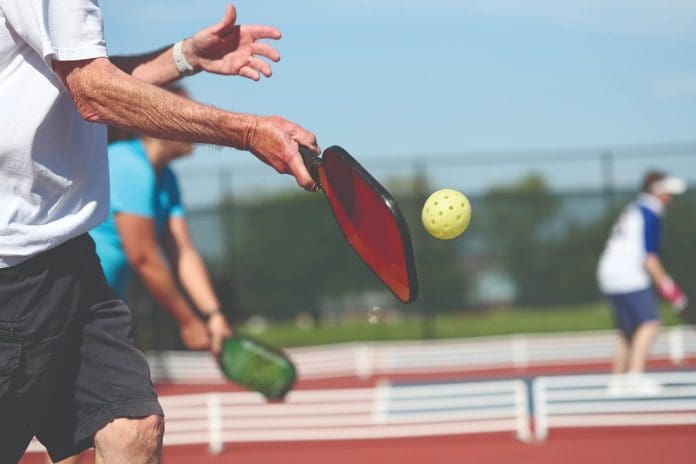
(148, 433)
(141, 437)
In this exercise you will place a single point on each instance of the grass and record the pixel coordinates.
(505, 321)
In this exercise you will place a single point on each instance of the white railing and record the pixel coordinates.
(386, 411)
(381, 412)
(386, 358)
(412, 410)
(396, 410)
(664, 398)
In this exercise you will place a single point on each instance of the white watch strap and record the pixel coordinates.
(182, 64)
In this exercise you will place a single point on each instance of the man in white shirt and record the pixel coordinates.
(629, 264)
(69, 372)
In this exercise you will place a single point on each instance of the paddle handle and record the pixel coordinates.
(312, 162)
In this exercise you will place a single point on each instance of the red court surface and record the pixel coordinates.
(576, 446)
(642, 445)
(597, 445)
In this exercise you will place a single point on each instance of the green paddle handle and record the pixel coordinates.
(257, 366)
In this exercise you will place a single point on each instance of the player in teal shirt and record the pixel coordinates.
(146, 234)
(136, 188)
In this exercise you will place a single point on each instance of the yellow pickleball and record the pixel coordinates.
(446, 214)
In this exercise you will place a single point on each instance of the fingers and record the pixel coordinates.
(219, 331)
(265, 50)
(276, 141)
(198, 343)
(254, 68)
(249, 72)
(258, 32)
(296, 164)
(308, 139)
(259, 65)
(216, 343)
(226, 24)
(299, 171)
(195, 335)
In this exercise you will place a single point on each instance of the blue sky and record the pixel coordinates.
(397, 77)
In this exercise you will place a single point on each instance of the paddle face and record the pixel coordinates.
(257, 366)
(369, 218)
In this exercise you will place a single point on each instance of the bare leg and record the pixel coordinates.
(135, 441)
(620, 364)
(641, 344)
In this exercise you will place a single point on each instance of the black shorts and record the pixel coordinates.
(68, 363)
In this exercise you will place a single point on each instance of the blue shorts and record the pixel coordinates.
(631, 310)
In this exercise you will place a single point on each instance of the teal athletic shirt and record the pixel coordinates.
(136, 188)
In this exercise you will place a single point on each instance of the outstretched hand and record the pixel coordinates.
(231, 49)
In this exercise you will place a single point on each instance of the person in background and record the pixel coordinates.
(146, 234)
(629, 264)
(70, 373)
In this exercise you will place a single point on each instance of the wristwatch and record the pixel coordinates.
(180, 61)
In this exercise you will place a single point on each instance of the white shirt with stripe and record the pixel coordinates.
(635, 234)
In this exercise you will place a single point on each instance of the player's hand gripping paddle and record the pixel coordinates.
(671, 292)
(256, 366)
(369, 218)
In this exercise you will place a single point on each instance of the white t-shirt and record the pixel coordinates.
(635, 234)
(53, 165)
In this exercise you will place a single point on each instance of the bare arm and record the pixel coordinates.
(141, 247)
(653, 264)
(155, 68)
(190, 268)
(223, 48)
(195, 279)
(664, 283)
(105, 94)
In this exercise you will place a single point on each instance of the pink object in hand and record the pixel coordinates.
(672, 293)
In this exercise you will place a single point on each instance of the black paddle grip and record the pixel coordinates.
(311, 161)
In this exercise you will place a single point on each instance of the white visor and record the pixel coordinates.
(669, 185)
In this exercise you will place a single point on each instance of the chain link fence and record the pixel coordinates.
(536, 233)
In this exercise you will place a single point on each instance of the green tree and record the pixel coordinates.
(286, 254)
(518, 224)
(442, 280)
(679, 242)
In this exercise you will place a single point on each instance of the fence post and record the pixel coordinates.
(608, 180)
(381, 401)
(363, 360)
(225, 185)
(215, 442)
(676, 345)
(520, 352)
(539, 411)
(522, 410)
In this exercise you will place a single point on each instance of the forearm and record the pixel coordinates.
(657, 272)
(107, 95)
(156, 277)
(195, 279)
(157, 67)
